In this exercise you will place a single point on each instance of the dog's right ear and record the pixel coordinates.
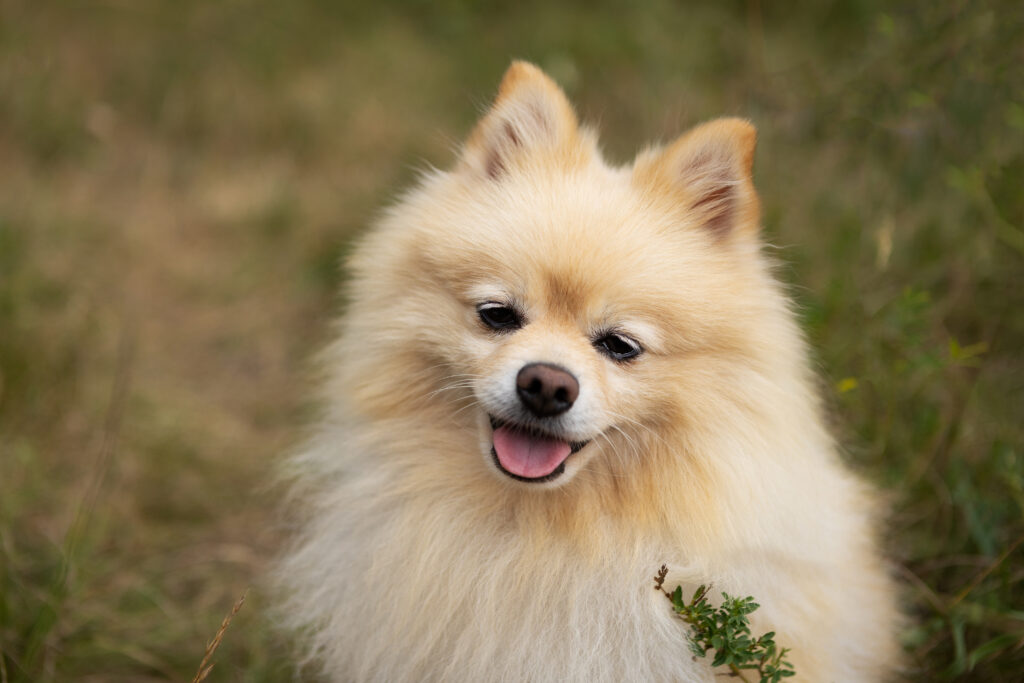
(531, 120)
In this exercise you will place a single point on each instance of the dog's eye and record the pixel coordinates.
(618, 346)
(499, 316)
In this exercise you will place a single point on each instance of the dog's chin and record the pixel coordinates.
(528, 454)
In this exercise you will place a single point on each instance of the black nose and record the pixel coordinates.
(546, 390)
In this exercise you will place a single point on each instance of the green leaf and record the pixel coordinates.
(997, 644)
(959, 664)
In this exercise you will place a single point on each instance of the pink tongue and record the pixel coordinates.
(528, 456)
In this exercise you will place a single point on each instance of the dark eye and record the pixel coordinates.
(618, 346)
(499, 316)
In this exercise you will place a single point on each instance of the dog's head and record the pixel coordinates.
(565, 308)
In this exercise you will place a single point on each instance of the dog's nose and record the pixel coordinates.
(546, 390)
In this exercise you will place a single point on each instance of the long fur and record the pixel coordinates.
(417, 560)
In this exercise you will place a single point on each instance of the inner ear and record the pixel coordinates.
(500, 149)
(530, 119)
(714, 186)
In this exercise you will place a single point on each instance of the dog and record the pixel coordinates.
(554, 375)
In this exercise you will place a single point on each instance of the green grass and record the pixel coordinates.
(179, 180)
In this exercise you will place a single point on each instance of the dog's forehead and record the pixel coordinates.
(572, 244)
(590, 241)
(589, 274)
(582, 282)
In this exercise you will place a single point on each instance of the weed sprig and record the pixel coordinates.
(726, 630)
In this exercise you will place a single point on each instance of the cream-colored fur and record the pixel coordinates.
(420, 560)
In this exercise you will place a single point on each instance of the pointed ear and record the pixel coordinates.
(530, 119)
(709, 171)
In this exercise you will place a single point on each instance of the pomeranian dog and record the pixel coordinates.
(554, 375)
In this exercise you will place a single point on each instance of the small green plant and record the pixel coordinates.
(726, 630)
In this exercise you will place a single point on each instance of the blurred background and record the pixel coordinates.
(179, 182)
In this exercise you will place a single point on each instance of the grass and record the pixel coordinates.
(181, 178)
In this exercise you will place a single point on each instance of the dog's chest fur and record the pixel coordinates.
(428, 590)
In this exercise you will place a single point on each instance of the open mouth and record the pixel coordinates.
(529, 454)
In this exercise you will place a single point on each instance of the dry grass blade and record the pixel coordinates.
(205, 666)
(988, 570)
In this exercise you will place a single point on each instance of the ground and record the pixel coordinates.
(180, 181)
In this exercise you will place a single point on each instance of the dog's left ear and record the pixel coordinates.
(530, 120)
(708, 171)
